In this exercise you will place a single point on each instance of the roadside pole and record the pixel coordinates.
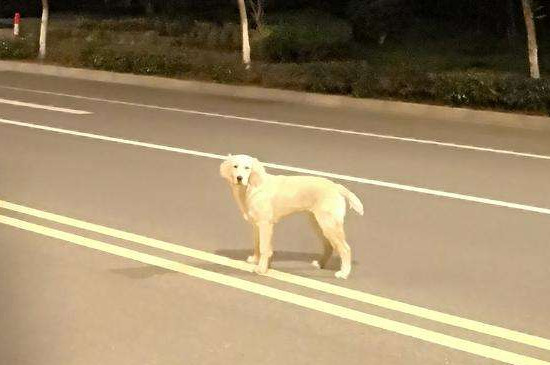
(16, 21)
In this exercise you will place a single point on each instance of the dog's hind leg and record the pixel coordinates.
(327, 247)
(333, 229)
(345, 256)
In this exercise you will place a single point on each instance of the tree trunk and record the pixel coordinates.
(149, 7)
(511, 29)
(246, 40)
(531, 39)
(43, 30)
(257, 7)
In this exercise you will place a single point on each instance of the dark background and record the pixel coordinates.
(441, 18)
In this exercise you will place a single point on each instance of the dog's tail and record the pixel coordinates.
(352, 199)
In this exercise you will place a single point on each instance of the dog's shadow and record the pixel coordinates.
(146, 272)
(277, 255)
(281, 256)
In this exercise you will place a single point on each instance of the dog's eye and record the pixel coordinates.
(247, 168)
(235, 166)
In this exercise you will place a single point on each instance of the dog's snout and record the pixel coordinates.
(239, 178)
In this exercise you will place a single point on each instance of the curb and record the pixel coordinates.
(397, 108)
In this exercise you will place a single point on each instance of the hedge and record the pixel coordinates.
(303, 37)
(469, 89)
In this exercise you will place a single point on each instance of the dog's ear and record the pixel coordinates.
(257, 173)
(225, 169)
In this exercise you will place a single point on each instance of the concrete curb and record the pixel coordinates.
(395, 108)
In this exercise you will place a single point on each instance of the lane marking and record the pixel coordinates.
(384, 184)
(296, 125)
(284, 296)
(45, 107)
(357, 295)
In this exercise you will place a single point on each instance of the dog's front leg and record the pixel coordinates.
(254, 259)
(266, 249)
(239, 195)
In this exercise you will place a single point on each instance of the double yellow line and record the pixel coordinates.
(285, 296)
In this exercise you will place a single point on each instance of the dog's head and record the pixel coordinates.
(242, 170)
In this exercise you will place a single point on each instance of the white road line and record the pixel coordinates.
(357, 295)
(384, 184)
(296, 125)
(285, 296)
(44, 107)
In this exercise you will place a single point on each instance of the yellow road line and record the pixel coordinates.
(284, 296)
(357, 295)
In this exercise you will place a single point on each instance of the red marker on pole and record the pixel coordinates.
(16, 21)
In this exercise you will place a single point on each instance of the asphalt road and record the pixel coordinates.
(456, 221)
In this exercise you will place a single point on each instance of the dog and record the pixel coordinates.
(264, 199)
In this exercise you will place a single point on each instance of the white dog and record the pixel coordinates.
(264, 199)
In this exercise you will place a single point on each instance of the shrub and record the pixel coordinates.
(211, 36)
(303, 37)
(111, 60)
(162, 26)
(172, 28)
(471, 89)
(201, 64)
(495, 91)
(328, 77)
(61, 34)
(403, 84)
(16, 49)
(372, 19)
(116, 25)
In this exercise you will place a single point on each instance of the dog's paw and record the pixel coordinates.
(316, 264)
(260, 270)
(253, 259)
(341, 274)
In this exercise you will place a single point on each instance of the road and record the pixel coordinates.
(142, 259)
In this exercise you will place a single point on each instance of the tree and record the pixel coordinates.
(149, 7)
(257, 7)
(43, 29)
(511, 29)
(246, 39)
(532, 45)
